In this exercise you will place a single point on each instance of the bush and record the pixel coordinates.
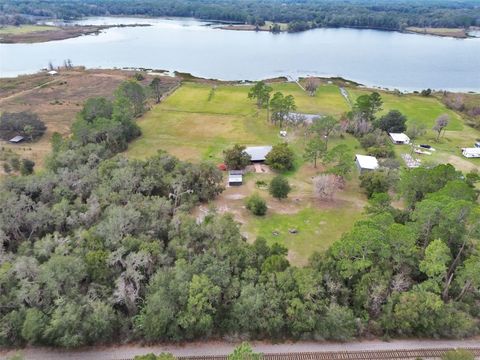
(375, 182)
(256, 205)
(279, 187)
(26, 168)
(458, 354)
(393, 122)
(280, 157)
(236, 158)
(26, 124)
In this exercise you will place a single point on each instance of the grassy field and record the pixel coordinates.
(24, 29)
(197, 122)
(418, 109)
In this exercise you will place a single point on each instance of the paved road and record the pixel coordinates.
(222, 348)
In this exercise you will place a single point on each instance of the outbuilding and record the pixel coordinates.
(235, 177)
(258, 153)
(365, 162)
(52, 72)
(399, 138)
(16, 139)
(471, 152)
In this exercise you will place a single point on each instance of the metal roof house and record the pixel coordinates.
(365, 162)
(399, 138)
(235, 177)
(471, 152)
(16, 139)
(258, 153)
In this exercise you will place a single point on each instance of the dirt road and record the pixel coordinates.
(222, 348)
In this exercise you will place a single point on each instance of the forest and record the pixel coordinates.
(99, 249)
(300, 15)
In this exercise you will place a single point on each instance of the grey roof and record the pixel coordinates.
(16, 139)
(235, 172)
(258, 153)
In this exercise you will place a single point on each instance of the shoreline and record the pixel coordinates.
(454, 33)
(186, 76)
(57, 33)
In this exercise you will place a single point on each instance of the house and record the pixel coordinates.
(365, 162)
(16, 139)
(471, 152)
(399, 138)
(235, 177)
(258, 153)
(53, 72)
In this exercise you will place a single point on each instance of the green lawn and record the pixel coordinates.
(327, 100)
(317, 229)
(199, 121)
(24, 29)
(418, 109)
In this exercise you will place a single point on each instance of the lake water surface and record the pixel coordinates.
(374, 58)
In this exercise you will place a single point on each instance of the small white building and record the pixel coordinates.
(235, 178)
(258, 153)
(52, 72)
(399, 138)
(471, 152)
(16, 139)
(365, 162)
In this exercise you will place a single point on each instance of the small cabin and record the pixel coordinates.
(235, 177)
(17, 139)
(471, 152)
(258, 153)
(366, 163)
(399, 138)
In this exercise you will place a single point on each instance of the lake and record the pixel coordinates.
(370, 57)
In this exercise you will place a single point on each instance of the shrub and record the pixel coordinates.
(236, 158)
(256, 205)
(26, 124)
(280, 157)
(279, 187)
(375, 182)
(26, 167)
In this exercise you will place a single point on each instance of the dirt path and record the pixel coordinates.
(23, 92)
(222, 348)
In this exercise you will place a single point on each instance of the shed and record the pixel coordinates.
(235, 177)
(16, 139)
(399, 138)
(471, 152)
(258, 153)
(365, 162)
(53, 72)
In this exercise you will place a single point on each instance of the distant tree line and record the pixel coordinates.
(301, 15)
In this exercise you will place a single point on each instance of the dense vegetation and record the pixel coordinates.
(301, 15)
(99, 249)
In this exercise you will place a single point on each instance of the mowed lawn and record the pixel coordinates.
(327, 100)
(199, 121)
(418, 109)
(194, 125)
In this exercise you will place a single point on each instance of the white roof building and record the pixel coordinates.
(16, 139)
(365, 162)
(471, 152)
(235, 177)
(258, 153)
(53, 72)
(399, 138)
